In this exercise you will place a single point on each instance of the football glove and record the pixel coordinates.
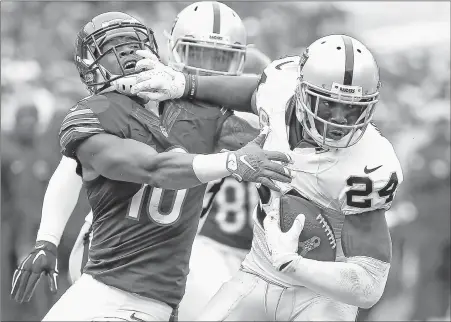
(42, 259)
(156, 81)
(252, 163)
(282, 246)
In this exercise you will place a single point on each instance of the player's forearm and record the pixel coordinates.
(233, 92)
(167, 170)
(173, 170)
(360, 281)
(60, 200)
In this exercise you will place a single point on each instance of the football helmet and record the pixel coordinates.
(89, 56)
(336, 69)
(208, 38)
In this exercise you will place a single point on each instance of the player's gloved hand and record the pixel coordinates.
(252, 163)
(156, 81)
(282, 246)
(42, 259)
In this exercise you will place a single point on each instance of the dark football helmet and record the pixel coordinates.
(91, 53)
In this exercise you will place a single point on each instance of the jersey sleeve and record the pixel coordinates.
(276, 86)
(78, 125)
(91, 116)
(386, 183)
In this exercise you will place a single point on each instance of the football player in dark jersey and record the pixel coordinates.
(226, 236)
(132, 163)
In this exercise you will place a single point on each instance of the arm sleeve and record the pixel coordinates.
(60, 200)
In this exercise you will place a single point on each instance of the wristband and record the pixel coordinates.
(191, 82)
(210, 167)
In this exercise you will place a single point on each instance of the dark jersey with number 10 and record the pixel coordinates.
(142, 235)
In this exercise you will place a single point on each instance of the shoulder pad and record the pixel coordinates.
(276, 87)
(107, 113)
(79, 124)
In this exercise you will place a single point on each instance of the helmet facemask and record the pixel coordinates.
(326, 134)
(99, 75)
(208, 57)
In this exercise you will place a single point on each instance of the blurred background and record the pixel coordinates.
(411, 41)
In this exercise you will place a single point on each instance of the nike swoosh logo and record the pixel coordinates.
(242, 158)
(366, 170)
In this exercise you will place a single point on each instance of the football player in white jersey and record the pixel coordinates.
(319, 107)
(225, 236)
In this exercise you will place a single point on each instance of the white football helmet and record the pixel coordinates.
(208, 38)
(336, 68)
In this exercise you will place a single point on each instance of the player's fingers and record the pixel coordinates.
(278, 156)
(261, 138)
(53, 281)
(271, 185)
(150, 85)
(272, 207)
(145, 64)
(22, 285)
(31, 285)
(297, 227)
(14, 283)
(152, 96)
(149, 78)
(274, 174)
(279, 168)
(176, 66)
(147, 54)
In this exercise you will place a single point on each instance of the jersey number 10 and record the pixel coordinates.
(162, 206)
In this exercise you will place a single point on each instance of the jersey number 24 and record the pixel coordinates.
(366, 185)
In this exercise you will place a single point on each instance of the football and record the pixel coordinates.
(317, 239)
